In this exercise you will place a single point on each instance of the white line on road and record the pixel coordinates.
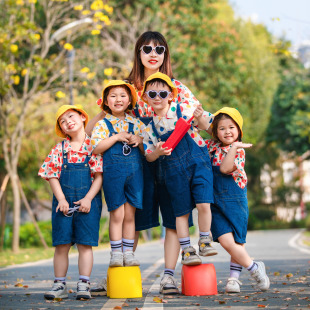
(294, 244)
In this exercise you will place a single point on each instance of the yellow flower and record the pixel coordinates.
(63, 70)
(98, 14)
(16, 79)
(105, 82)
(84, 83)
(91, 75)
(99, 27)
(14, 48)
(60, 94)
(78, 8)
(108, 71)
(97, 5)
(11, 68)
(108, 8)
(37, 36)
(19, 2)
(85, 70)
(32, 1)
(95, 32)
(24, 72)
(68, 47)
(85, 12)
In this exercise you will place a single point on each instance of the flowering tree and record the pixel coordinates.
(35, 37)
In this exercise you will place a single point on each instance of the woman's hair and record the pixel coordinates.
(215, 124)
(136, 76)
(106, 108)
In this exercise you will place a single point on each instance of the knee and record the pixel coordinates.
(203, 207)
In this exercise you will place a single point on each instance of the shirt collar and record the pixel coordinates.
(113, 120)
(170, 114)
(84, 149)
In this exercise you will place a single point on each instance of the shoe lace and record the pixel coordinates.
(57, 285)
(82, 286)
(169, 280)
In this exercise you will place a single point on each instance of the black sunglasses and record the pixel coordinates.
(159, 49)
(163, 94)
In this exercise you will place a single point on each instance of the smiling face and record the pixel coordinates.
(118, 101)
(160, 105)
(71, 122)
(227, 131)
(152, 61)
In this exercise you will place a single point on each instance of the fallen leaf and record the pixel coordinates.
(68, 277)
(117, 307)
(70, 291)
(157, 276)
(289, 275)
(18, 285)
(125, 304)
(288, 298)
(57, 299)
(157, 299)
(221, 302)
(25, 286)
(284, 283)
(276, 273)
(261, 306)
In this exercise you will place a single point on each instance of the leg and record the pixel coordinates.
(233, 284)
(137, 234)
(61, 260)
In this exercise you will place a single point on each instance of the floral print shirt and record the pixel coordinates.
(101, 131)
(184, 96)
(51, 167)
(167, 123)
(239, 174)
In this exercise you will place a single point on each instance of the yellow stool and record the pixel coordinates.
(124, 282)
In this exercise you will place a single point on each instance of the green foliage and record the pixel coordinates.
(308, 222)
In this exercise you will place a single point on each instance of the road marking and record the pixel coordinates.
(111, 303)
(294, 244)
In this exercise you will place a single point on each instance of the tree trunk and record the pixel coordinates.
(16, 212)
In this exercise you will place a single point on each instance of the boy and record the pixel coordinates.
(75, 176)
(185, 172)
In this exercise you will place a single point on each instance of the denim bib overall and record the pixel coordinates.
(122, 175)
(186, 174)
(80, 228)
(147, 217)
(230, 209)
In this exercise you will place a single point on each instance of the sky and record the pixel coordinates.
(293, 15)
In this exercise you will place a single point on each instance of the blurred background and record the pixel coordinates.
(251, 55)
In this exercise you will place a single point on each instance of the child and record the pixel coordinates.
(230, 208)
(119, 137)
(75, 177)
(186, 171)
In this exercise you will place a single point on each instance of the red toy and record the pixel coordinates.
(181, 128)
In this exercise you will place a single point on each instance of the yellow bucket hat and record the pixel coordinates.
(64, 108)
(119, 83)
(164, 77)
(234, 114)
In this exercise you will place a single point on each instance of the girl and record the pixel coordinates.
(119, 136)
(75, 176)
(230, 208)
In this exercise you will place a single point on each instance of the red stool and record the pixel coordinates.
(199, 280)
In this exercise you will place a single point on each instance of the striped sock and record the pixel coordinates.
(253, 266)
(170, 272)
(116, 245)
(128, 244)
(235, 270)
(204, 234)
(185, 242)
(84, 278)
(60, 279)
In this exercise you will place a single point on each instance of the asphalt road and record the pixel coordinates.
(287, 262)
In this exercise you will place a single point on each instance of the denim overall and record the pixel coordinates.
(147, 217)
(80, 228)
(122, 174)
(186, 175)
(230, 209)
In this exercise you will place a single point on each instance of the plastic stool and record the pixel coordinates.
(124, 282)
(199, 280)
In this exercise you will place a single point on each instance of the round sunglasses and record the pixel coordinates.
(163, 94)
(159, 49)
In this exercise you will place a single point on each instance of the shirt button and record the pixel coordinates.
(65, 166)
(85, 165)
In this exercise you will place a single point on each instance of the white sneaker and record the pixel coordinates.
(83, 290)
(59, 290)
(100, 289)
(261, 277)
(205, 247)
(233, 285)
(168, 285)
(116, 259)
(189, 257)
(129, 259)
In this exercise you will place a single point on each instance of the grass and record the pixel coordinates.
(306, 238)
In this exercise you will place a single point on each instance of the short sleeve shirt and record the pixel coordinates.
(167, 123)
(51, 167)
(101, 131)
(220, 152)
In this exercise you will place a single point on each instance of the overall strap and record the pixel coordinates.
(110, 127)
(137, 113)
(155, 130)
(130, 128)
(64, 156)
(179, 113)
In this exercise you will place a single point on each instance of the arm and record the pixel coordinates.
(85, 203)
(159, 151)
(228, 163)
(63, 205)
(105, 144)
(90, 125)
(202, 122)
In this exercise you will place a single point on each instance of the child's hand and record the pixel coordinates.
(84, 204)
(162, 151)
(123, 136)
(135, 140)
(239, 144)
(63, 206)
(198, 112)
